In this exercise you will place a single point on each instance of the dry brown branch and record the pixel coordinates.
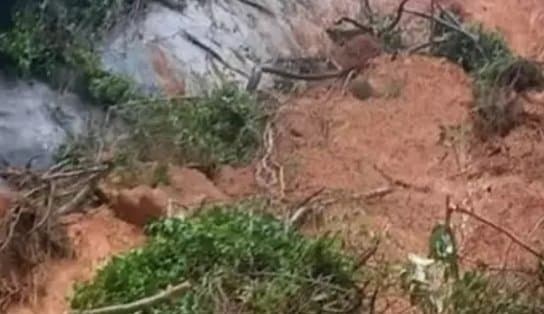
(364, 28)
(30, 232)
(301, 210)
(397, 19)
(401, 183)
(378, 193)
(508, 233)
(135, 306)
(368, 12)
(451, 26)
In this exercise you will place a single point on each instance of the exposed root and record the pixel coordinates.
(269, 172)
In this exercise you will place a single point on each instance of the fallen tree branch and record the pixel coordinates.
(498, 228)
(133, 307)
(301, 209)
(197, 42)
(364, 28)
(401, 183)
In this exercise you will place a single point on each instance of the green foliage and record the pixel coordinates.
(223, 127)
(496, 71)
(443, 247)
(245, 262)
(53, 40)
(479, 56)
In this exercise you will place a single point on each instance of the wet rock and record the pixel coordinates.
(35, 120)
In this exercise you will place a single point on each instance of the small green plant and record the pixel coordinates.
(497, 73)
(236, 261)
(223, 127)
(437, 286)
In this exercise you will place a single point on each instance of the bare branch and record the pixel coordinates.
(364, 28)
(502, 230)
(448, 25)
(397, 19)
(133, 307)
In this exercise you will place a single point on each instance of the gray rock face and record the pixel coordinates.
(186, 49)
(35, 120)
(190, 49)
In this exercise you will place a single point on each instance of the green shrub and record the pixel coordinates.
(474, 56)
(223, 127)
(234, 259)
(496, 70)
(53, 40)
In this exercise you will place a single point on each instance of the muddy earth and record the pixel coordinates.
(353, 147)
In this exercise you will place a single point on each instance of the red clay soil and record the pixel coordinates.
(337, 143)
(96, 237)
(350, 146)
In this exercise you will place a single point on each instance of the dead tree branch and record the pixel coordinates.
(135, 306)
(364, 28)
(508, 233)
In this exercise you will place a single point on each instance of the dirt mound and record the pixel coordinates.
(356, 147)
(336, 143)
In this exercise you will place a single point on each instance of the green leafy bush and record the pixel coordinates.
(223, 127)
(234, 259)
(54, 40)
(487, 50)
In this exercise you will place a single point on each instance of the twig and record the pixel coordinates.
(449, 25)
(192, 39)
(79, 197)
(368, 254)
(364, 28)
(502, 230)
(396, 21)
(379, 192)
(432, 23)
(368, 11)
(74, 173)
(133, 307)
(11, 231)
(50, 197)
(373, 300)
(401, 183)
(302, 209)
